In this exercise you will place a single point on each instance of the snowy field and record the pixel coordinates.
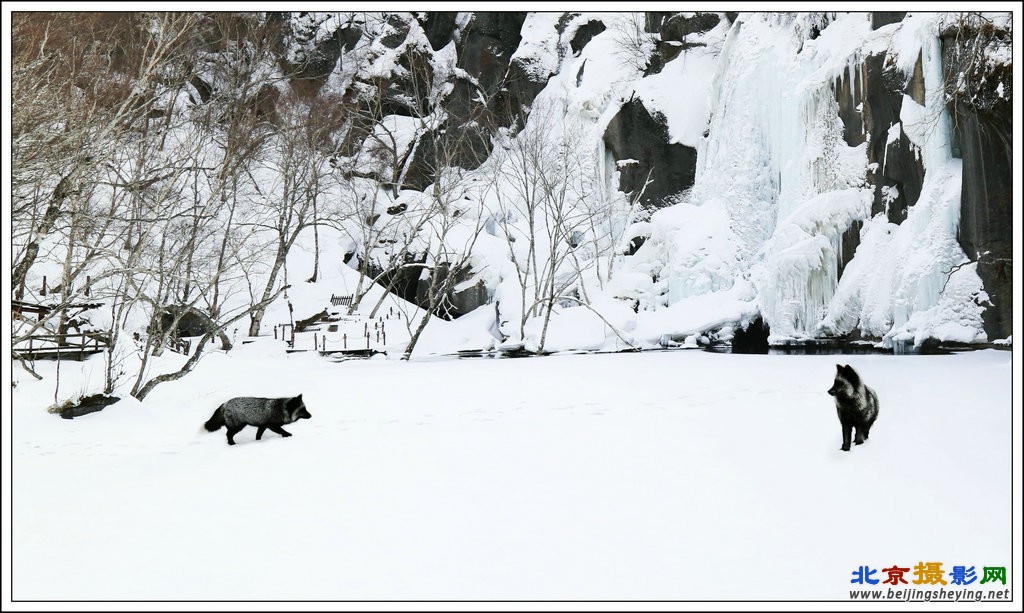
(665, 475)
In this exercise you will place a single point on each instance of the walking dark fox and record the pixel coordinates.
(262, 413)
(856, 403)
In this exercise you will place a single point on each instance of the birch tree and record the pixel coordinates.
(544, 186)
(77, 81)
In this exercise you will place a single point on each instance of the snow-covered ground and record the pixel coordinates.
(659, 475)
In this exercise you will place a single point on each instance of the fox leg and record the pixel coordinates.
(231, 434)
(279, 430)
(259, 432)
(847, 431)
(861, 436)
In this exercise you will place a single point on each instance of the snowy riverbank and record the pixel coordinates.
(669, 475)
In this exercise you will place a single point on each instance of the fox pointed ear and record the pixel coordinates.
(839, 367)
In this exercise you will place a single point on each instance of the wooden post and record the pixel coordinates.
(344, 341)
(275, 332)
(316, 342)
(292, 342)
(378, 337)
(367, 340)
(43, 292)
(88, 282)
(384, 336)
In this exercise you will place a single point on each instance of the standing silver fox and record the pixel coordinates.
(856, 403)
(262, 413)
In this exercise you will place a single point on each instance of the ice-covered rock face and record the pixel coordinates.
(811, 155)
(831, 156)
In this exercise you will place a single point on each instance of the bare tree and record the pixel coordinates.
(633, 43)
(298, 167)
(369, 184)
(83, 85)
(78, 79)
(545, 184)
(177, 267)
(140, 173)
(373, 161)
(452, 233)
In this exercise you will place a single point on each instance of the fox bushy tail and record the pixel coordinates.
(216, 421)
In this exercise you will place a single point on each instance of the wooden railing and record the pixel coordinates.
(74, 346)
(179, 345)
(341, 300)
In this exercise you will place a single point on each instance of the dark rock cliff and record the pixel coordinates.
(981, 106)
(637, 134)
(869, 105)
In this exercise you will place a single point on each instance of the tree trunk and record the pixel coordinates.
(316, 245)
(215, 302)
(142, 367)
(384, 294)
(144, 390)
(522, 313)
(544, 328)
(357, 295)
(547, 314)
(416, 335)
(60, 193)
(141, 394)
(256, 317)
(316, 254)
(432, 303)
